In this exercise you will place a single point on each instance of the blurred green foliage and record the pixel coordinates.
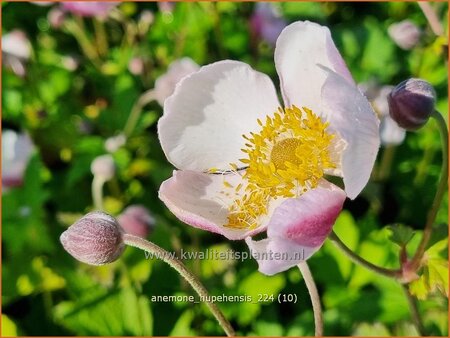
(70, 112)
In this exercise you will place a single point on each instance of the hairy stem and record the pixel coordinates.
(97, 191)
(361, 261)
(432, 18)
(176, 264)
(415, 314)
(442, 187)
(315, 299)
(136, 111)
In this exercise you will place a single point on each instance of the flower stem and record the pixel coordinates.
(136, 111)
(76, 29)
(97, 191)
(101, 36)
(315, 299)
(361, 261)
(176, 264)
(442, 187)
(412, 302)
(386, 162)
(432, 18)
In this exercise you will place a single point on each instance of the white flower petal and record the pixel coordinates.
(205, 118)
(352, 116)
(390, 132)
(196, 199)
(301, 46)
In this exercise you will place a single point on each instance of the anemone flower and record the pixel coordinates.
(266, 22)
(247, 165)
(390, 132)
(16, 50)
(98, 9)
(16, 152)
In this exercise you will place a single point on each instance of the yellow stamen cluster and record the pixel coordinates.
(285, 159)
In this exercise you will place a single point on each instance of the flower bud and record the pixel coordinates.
(103, 166)
(95, 239)
(136, 66)
(405, 34)
(56, 17)
(136, 220)
(411, 103)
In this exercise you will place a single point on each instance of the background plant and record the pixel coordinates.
(78, 90)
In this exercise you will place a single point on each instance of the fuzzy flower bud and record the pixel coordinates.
(103, 166)
(136, 220)
(95, 239)
(411, 103)
(405, 34)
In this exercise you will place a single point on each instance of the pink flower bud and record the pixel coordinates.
(136, 66)
(136, 220)
(411, 103)
(103, 166)
(16, 152)
(56, 17)
(405, 34)
(95, 239)
(99, 9)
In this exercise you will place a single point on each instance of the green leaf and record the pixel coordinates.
(102, 312)
(401, 234)
(9, 328)
(434, 277)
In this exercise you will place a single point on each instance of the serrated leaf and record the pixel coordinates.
(400, 234)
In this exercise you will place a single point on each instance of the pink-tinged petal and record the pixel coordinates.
(205, 118)
(16, 44)
(352, 117)
(298, 228)
(196, 199)
(89, 8)
(301, 46)
(17, 149)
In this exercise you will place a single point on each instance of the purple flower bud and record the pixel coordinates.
(411, 103)
(95, 239)
(103, 166)
(136, 220)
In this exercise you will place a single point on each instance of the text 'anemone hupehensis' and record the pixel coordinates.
(246, 164)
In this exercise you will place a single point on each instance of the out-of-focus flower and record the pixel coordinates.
(56, 17)
(390, 132)
(136, 220)
(405, 34)
(146, 18)
(166, 6)
(16, 152)
(70, 62)
(103, 166)
(112, 144)
(136, 66)
(42, 3)
(247, 165)
(98, 9)
(16, 50)
(165, 84)
(266, 22)
(411, 103)
(95, 239)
